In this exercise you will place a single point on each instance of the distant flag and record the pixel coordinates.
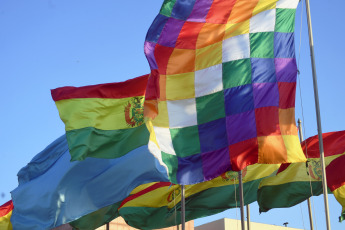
(335, 172)
(296, 182)
(157, 205)
(5, 215)
(221, 93)
(103, 121)
(53, 191)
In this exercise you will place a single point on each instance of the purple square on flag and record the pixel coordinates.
(170, 32)
(241, 127)
(286, 69)
(190, 170)
(238, 99)
(149, 48)
(212, 135)
(265, 94)
(200, 11)
(215, 163)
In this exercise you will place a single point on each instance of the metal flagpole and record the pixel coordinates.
(241, 199)
(248, 217)
(318, 117)
(183, 208)
(309, 206)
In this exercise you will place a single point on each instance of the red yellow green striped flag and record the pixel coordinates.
(157, 205)
(5, 215)
(103, 121)
(296, 182)
(335, 172)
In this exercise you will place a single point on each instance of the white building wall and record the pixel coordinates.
(231, 224)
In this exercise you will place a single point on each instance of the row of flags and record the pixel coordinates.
(90, 193)
(220, 98)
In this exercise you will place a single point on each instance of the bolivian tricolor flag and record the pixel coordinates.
(158, 205)
(5, 215)
(297, 182)
(103, 121)
(335, 172)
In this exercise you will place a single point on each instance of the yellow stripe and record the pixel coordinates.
(339, 194)
(165, 196)
(100, 113)
(296, 172)
(5, 223)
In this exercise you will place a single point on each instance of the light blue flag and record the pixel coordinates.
(53, 191)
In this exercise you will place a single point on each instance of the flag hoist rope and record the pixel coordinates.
(309, 205)
(318, 116)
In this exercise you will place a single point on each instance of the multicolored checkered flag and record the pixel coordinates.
(221, 92)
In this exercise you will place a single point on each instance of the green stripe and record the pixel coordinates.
(97, 218)
(205, 203)
(92, 142)
(286, 195)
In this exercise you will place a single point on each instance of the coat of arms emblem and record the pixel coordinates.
(315, 169)
(134, 112)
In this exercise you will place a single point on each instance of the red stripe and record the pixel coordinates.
(335, 173)
(130, 88)
(333, 142)
(148, 189)
(6, 208)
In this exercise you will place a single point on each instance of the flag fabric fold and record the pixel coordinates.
(53, 190)
(158, 205)
(335, 172)
(103, 121)
(296, 182)
(221, 92)
(5, 215)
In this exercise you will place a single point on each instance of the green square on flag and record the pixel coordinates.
(185, 141)
(236, 73)
(285, 20)
(169, 159)
(167, 7)
(261, 45)
(210, 107)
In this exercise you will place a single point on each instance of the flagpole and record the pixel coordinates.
(183, 206)
(248, 217)
(318, 116)
(309, 206)
(241, 199)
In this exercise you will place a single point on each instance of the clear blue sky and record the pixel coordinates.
(45, 44)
